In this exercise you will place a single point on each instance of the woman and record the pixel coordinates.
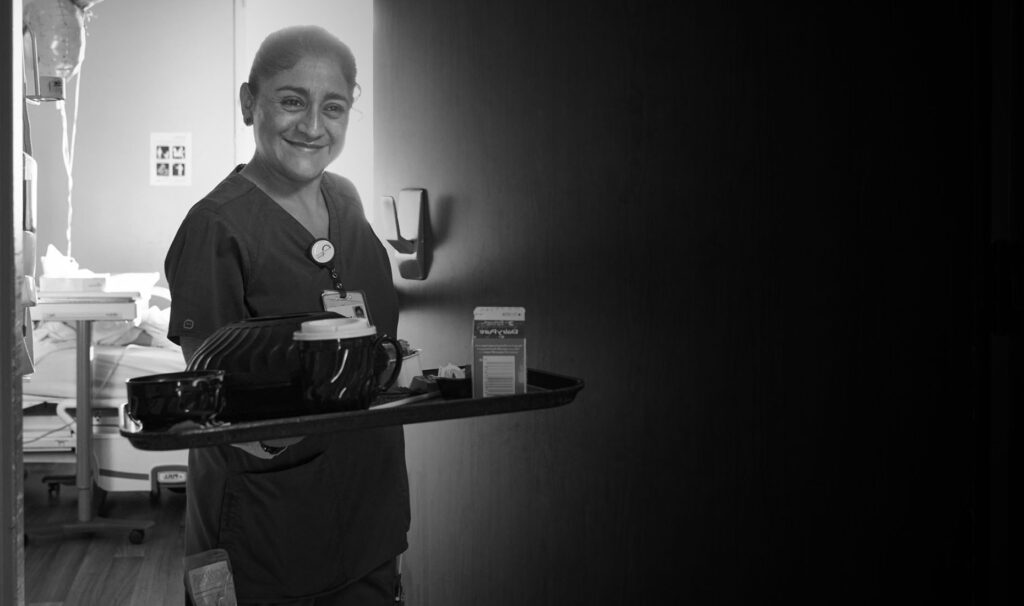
(318, 520)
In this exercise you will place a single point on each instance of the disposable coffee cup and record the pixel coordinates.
(341, 360)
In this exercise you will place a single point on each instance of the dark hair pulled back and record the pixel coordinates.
(283, 49)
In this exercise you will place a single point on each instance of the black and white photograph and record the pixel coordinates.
(510, 303)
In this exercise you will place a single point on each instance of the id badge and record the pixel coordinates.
(350, 305)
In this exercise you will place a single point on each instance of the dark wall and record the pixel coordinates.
(751, 230)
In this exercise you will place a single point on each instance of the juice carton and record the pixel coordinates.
(499, 351)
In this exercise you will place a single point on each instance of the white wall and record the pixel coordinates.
(150, 66)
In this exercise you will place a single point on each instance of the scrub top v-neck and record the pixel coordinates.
(251, 249)
(313, 239)
(331, 229)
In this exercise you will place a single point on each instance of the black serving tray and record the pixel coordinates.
(544, 390)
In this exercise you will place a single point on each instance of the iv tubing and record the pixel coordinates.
(69, 148)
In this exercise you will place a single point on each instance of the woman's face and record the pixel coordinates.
(300, 116)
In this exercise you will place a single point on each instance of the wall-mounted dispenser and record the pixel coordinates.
(405, 224)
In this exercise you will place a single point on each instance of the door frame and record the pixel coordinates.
(12, 546)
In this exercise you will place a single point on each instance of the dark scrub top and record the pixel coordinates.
(332, 507)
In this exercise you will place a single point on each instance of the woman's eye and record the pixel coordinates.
(336, 109)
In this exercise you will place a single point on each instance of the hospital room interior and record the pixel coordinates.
(772, 249)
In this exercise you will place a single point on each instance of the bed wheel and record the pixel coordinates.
(136, 536)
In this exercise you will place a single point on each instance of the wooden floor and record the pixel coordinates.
(104, 568)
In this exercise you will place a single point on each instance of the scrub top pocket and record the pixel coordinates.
(280, 531)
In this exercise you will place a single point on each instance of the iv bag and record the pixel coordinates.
(57, 30)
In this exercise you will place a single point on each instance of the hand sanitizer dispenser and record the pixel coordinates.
(405, 224)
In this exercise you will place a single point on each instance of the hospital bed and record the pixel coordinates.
(121, 350)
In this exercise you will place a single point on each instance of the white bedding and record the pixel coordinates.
(121, 351)
(112, 366)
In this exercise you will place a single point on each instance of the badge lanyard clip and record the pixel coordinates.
(321, 252)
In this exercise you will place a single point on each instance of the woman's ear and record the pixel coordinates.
(246, 102)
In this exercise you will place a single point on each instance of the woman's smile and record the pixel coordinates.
(311, 147)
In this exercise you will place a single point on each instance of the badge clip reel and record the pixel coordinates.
(348, 304)
(322, 253)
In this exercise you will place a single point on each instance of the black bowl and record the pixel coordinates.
(453, 389)
(159, 401)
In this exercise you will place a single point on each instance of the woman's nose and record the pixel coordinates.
(311, 123)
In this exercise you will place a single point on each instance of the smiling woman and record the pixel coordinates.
(349, 20)
(249, 250)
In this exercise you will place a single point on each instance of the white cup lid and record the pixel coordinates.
(334, 328)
